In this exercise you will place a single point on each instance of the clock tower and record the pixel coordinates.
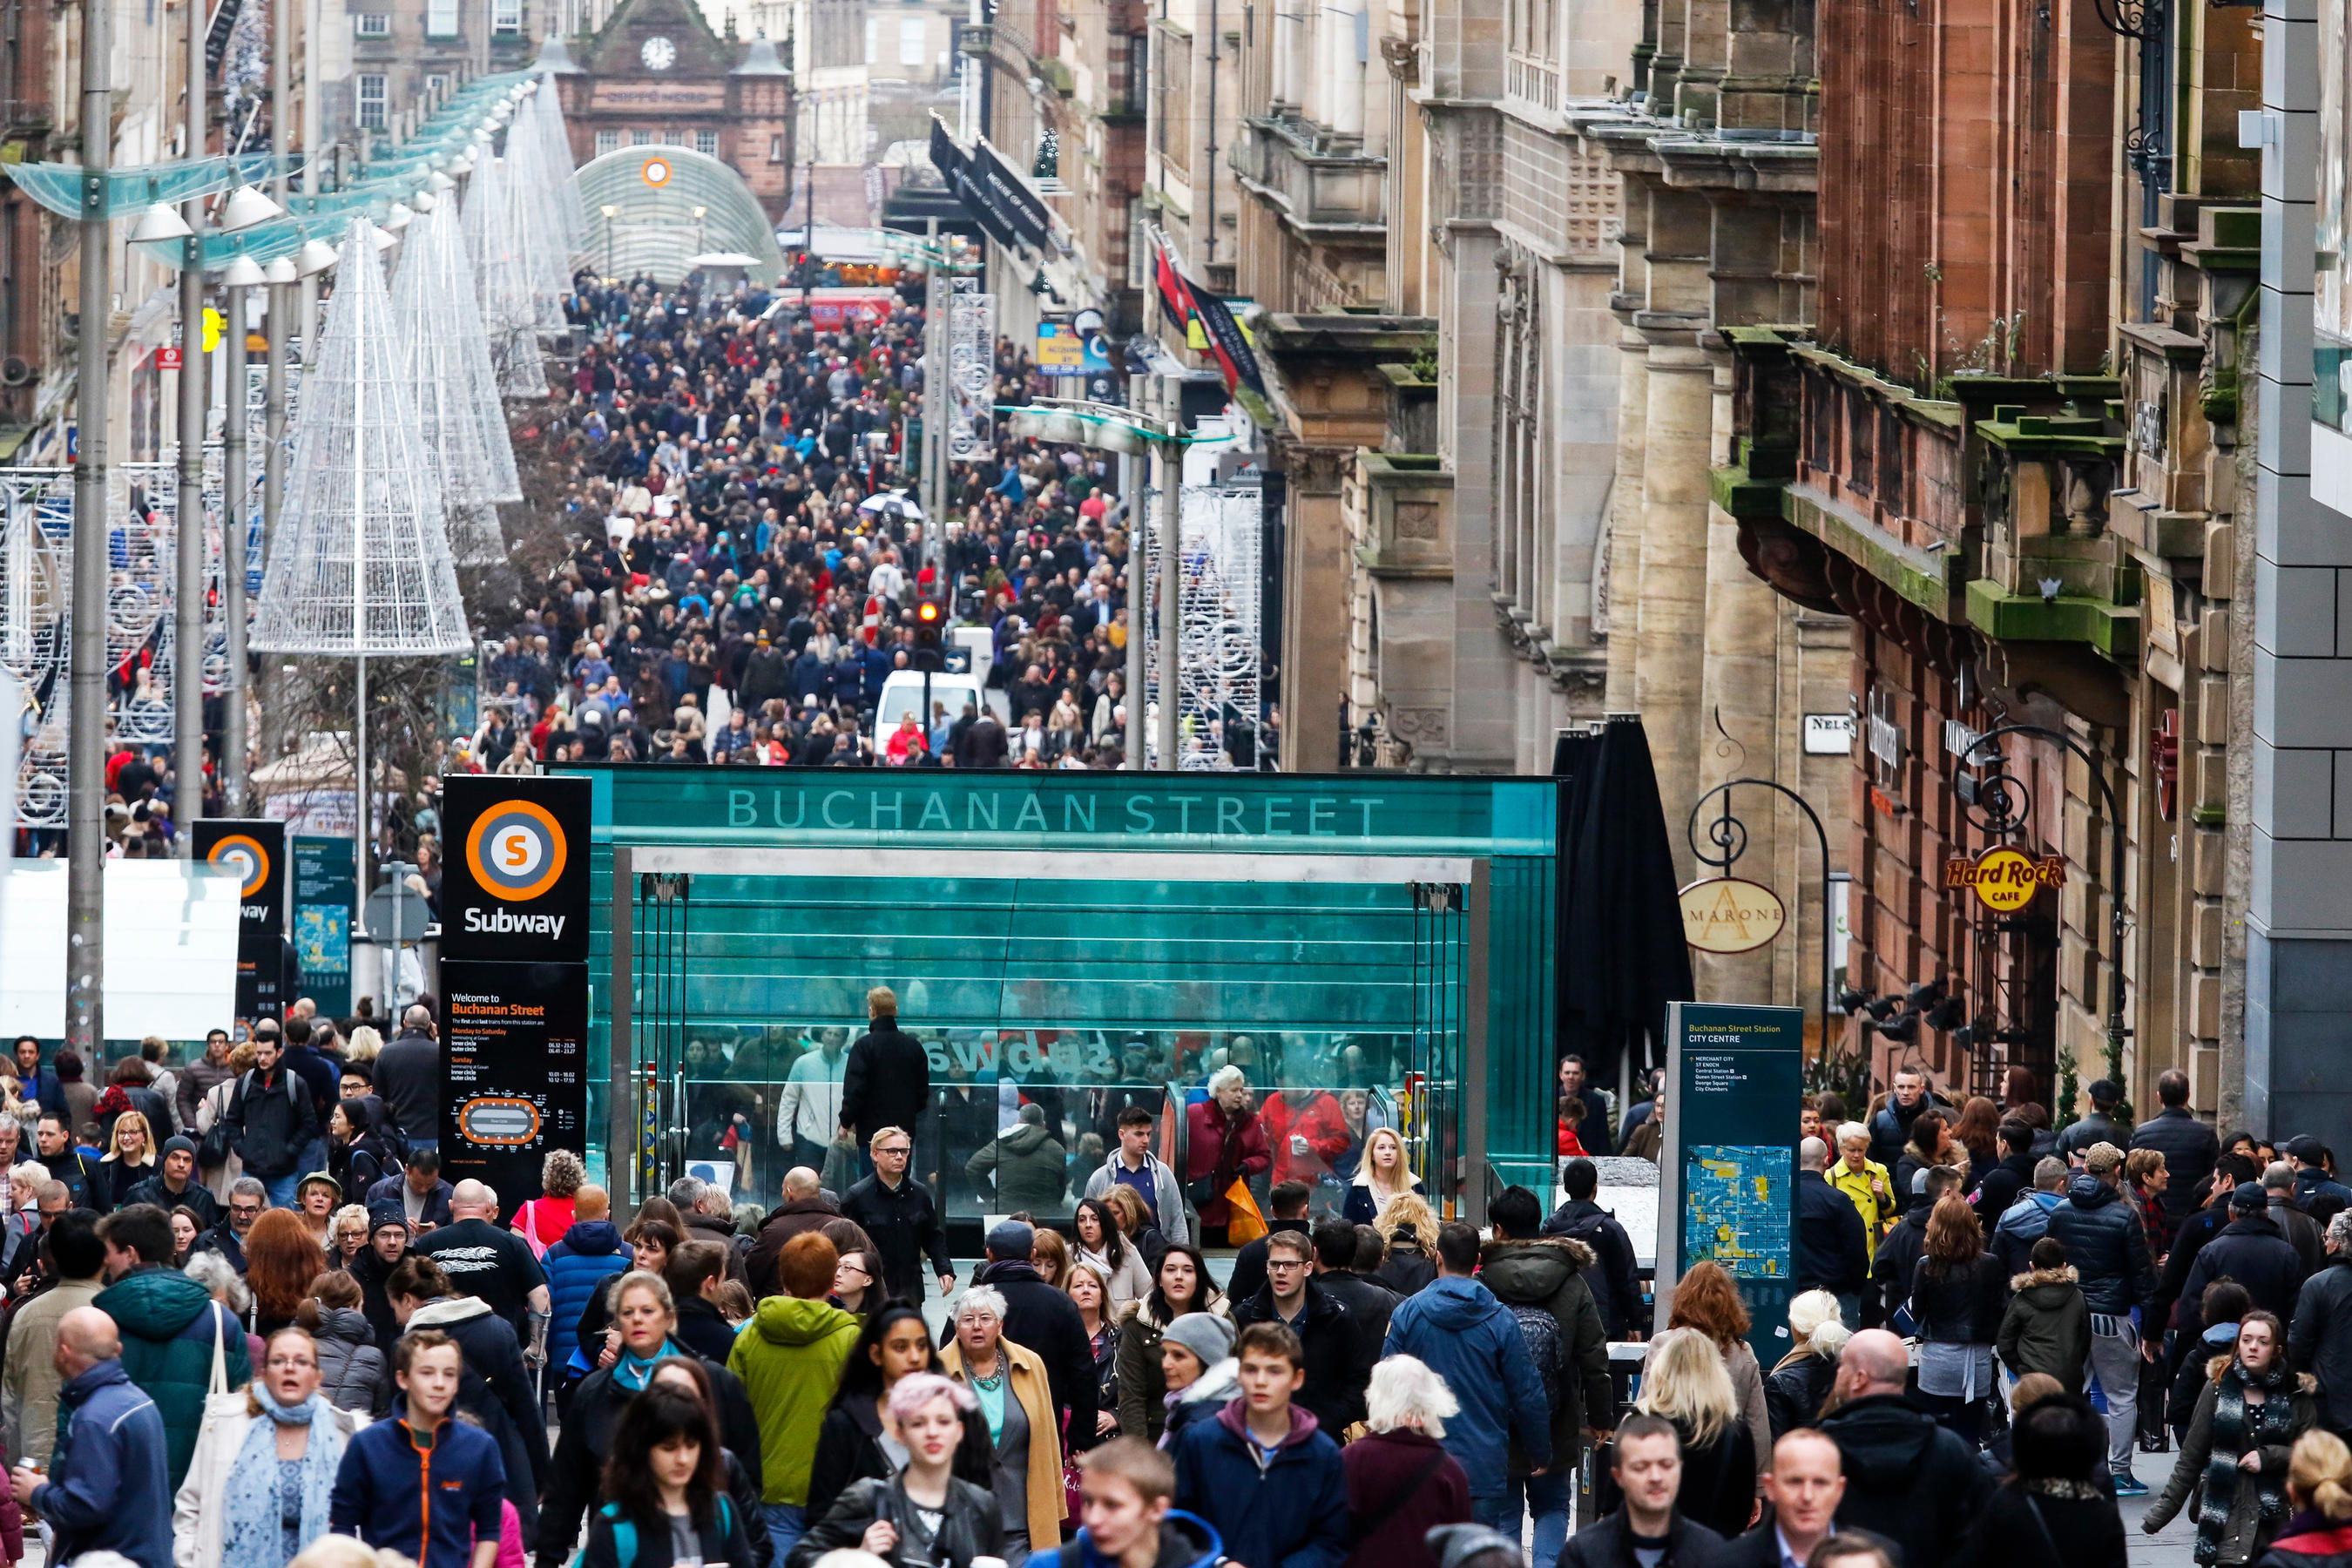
(656, 75)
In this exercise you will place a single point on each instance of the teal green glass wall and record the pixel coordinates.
(1306, 961)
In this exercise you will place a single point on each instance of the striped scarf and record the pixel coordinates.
(2238, 1429)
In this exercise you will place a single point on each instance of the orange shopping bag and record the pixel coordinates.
(1244, 1224)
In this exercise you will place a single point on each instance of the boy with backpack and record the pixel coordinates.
(1541, 1279)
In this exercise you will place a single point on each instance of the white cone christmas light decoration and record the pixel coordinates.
(510, 314)
(432, 301)
(362, 562)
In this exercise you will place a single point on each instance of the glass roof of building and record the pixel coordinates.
(669, 205)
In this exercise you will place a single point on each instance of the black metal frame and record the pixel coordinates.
(1728, 835)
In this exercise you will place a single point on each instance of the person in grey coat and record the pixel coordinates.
(1028, 1164)
(350, 1364)
(1134, 1164)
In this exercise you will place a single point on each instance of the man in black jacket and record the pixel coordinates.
(2320, 1337)
(408, 1079)
(2010, 1180)
(1907, 1478)
(272, 1122)
(2252, 1251)
(1616, 1283)
(84, 1177)
(2188, 1145)
(1040, 1317)
(1338, 1359)
(2107, 1247)
(1369, 1302)
(1288, 1201)
(887, 1081)
(2098, 1127)
(1890, 1129)
(1834, 1250)
(899, 1215)
(174, 1184)
(1647, 1462)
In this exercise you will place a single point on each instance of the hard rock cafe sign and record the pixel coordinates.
(1731, 914)
(2003, 879)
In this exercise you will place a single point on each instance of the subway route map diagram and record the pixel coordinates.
(1736, 1196)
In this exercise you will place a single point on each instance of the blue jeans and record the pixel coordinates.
(1494, 1512)
(787, 1522)
(1545, 1497)
(281, 1188)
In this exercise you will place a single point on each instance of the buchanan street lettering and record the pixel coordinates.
(1206, 814)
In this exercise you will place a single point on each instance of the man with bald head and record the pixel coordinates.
(1805, 1487)
(1907, 1478)
(805, 1208)
(483, 1260)
(106, 1488)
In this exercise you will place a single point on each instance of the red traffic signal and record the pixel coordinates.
(927, 613)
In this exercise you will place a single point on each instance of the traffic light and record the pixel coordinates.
(930, 628)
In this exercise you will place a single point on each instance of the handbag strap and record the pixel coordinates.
(1401, 1496)
(218, 1383)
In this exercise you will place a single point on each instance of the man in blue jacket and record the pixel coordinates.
(591, 1252)
(2108, 1249)
(1262, 1472)
(1457, 1326)
(422, 1484)
(106, 1489)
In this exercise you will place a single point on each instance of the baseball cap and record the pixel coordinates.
(2248, 1196)
(2101, 1158)
(2306, 1147)
(2105, 1091)
(1011, 1240)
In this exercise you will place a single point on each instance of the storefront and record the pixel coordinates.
(1371, 948)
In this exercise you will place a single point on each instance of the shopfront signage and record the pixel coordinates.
(256, 850)
(1829, 734)
(1731, 914)
(2005, 879)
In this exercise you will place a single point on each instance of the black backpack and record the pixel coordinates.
(1539, 1331)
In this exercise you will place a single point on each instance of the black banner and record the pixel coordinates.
(515, 887)
(989, 181)
(1233, 349)
(255, 848)
(946, 156)
(514, 1045)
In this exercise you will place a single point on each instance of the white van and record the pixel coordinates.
(902, 693)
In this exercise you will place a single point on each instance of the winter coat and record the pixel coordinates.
(2310, 1540)
(2002, 1185)
(2047, 1327)
(1890, 1132)
(1891, 1265)
(1024, 1375)
(797, 1217)
(2237, 1512)
(495, 1392)
(1834, 1240)
(107, 1490)
(2021, 1225)
(1185, 1541)
(1030, 1168)
(1362, 1204)
(392, 1494)
(1389, 1472)
(904, 1225)
(1284, 1510)
(1338, 1357)
(2320, 1338)
(271, 1121)
(887, 1082)
(1616, 1281)
(2188, 1382)
(1216, 1387)
(196, 1195)
(2104, 1243)
(31, 1390)
(703, 1329)
(1209, 1131)
(1959, 1306)
(2301, 1233)
(1471, 1339)
(577, 1265)
(1718, 1485)
(1129, 1281)
(168, 1327)
(1167, 1193)
(1550, 1273)
(1142, 1384)
(1319, 1126)
(789, 1360)
(1907, 1478)
(1044, 1319)
(1871, 1190)
(435, 1209)
(1608, 1542)
(198, 1510)
(2253, 1251)
(724, 1538)
(350, 1364)
(1368, 1302)
(970, 1526)
(408, 1079)
(586, 1441)
(2047, 1524)
(1747, 1385)
(1795, 1390)
(2190, 1149)
(1407, 1270)
(2095, 1128)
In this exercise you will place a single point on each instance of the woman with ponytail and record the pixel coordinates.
(1799, 1382)
(2319, 1487)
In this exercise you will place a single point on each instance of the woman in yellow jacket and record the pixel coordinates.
(1863, 1180)
(1009, 1380)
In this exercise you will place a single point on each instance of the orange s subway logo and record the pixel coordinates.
(516, 850)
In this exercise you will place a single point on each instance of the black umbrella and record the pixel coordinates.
(1622, 957)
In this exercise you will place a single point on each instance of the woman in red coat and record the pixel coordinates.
(1225, 1142)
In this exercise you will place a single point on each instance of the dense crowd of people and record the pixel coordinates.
(249, 1322)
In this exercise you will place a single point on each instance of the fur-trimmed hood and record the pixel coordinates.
(2062, 1275)
(1578, 1252)
(2304, 1382)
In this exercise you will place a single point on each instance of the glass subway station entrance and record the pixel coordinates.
(1378, 950)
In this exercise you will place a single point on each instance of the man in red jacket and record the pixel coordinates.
(1307, 1134)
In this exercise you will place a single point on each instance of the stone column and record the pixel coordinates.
(1625, 521)
(1670, 653)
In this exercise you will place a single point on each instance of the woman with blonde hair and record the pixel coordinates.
(1409, 1231)
(1706, 1300)
(1684, 1382)
(1382, 1174)
(347, 1236)
(1800, 1381)
(1399, 1473)
(2319, 1489)
(130, 1158)
(365, 1045)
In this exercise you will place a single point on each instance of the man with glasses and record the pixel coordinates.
(247, 1198)
(1338, 1363)
(898, 1213)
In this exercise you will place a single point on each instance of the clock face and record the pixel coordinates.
(659, 54)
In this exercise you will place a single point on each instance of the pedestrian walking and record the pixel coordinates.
(107, 1487)
(2046, 1327)
(260, 1484)
(1646, 1529)
(1261, 1471)
(422, 1483)
(1015, 1397)
(2108, 1251)
(1401, 1483)
(790, 1362)
(2235, 1459)
(1909, 1479)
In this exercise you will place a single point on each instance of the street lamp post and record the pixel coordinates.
(86, 732)
(188, 595)
(609, 210)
